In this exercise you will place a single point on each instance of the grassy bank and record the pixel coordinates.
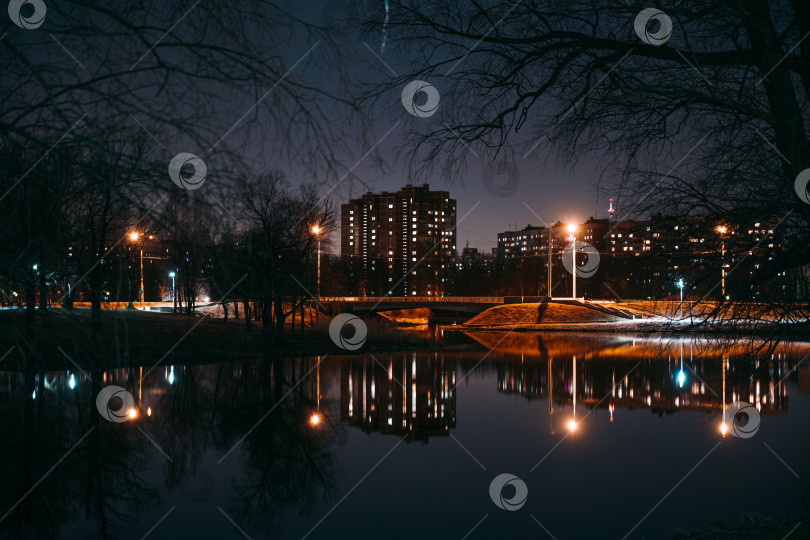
(134, 337)
(647, 318)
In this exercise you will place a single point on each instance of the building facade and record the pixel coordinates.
(645, 258)
(401, 243)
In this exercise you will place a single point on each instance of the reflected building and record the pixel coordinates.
(663, 387)
(411, 395)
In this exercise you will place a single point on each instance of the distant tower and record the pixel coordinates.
(611, 210)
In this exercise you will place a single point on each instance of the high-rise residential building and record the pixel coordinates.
(645, 258)
(401, 243)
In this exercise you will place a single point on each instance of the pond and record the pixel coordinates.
(542, 435)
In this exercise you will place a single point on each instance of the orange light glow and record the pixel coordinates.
(132, 413)
(316, 229)
(721, 229)
(572, 425)
(723, 428)
(149, 411)
(571, 228)
(315, 419)
(134, 235)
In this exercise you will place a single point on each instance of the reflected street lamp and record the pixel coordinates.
(572, 423)
(315, 418)
(680, 284)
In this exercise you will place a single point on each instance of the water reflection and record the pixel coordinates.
(255, 415)
(263, 439)
(411, 395)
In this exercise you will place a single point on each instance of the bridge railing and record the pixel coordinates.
(414, 299)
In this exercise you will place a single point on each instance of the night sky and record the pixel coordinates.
(553, 191)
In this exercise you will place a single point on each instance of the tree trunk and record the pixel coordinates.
(30, 305)
(95, 312)
(292, 322)
(267, 321)
(246, 305)
(225, 310)
(43, 292)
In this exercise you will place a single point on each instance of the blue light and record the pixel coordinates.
(72, 381)
(681, 378)
(171, 375)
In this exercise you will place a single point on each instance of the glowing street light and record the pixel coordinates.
(316, 230)
(315, 419)
(722, 230)
(134, 236)
(680, 284)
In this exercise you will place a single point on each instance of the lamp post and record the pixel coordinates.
(572, 229)
(174, 296)
(316, 230)
(549, 261)
(680, 285)
(722, 230)
(134, 236)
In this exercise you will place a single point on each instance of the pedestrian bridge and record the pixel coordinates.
(448, 305)
(355, 304)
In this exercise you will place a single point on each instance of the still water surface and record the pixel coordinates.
(611, 435)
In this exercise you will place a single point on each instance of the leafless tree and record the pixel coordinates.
(711, 123)
(278, 221)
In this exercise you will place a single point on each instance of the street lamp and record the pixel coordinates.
(681, 284)
(316, 230)
(134, 236)
(550, 228)
(722, 230)
(572, 229)
(174, 295)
